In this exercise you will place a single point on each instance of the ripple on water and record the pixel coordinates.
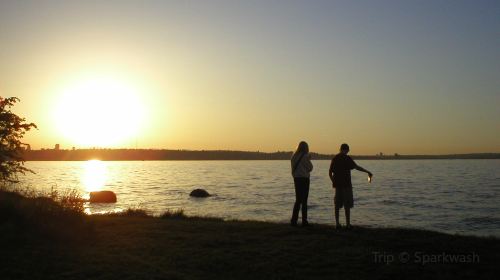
(480, 221)
(391, 202)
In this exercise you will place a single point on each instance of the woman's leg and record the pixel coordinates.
(296, 206)
(305, 195)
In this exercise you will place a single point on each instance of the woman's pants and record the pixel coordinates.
(301, 194)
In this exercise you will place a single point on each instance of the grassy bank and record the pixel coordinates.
(50, 245)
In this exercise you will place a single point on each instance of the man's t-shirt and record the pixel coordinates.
(341, 166)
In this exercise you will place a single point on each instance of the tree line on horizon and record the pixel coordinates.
(166, 154)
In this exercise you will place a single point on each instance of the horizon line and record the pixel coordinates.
(258, 151)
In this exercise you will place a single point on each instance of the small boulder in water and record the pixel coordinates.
(199, 193)
(102, 197)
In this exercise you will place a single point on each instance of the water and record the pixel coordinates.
(454, 196)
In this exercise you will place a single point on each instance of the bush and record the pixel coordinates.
(56, 217)
(69, 200)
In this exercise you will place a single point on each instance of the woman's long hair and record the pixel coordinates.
(302, 148)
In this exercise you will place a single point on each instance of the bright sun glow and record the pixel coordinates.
(94, 175)
(99, 112)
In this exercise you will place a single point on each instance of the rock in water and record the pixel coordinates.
(199, 193)
(102, 197)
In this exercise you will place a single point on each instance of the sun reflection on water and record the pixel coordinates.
(94, 175)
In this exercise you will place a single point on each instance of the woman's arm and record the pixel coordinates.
(309, 165)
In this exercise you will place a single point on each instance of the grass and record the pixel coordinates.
(134, 245)
(173, 214)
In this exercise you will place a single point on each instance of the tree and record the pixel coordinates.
(12, 130)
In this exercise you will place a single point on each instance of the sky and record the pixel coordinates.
(407, 77)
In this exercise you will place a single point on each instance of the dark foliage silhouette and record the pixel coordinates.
(12, 130)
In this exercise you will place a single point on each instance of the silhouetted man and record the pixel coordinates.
(340, 174)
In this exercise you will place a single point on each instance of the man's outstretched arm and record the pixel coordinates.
(363, 170)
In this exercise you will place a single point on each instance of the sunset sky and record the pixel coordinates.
(412, 77)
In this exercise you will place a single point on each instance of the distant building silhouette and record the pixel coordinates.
(57, 147)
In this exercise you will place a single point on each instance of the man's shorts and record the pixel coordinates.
(343, 198)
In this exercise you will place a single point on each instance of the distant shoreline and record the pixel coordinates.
(164, 154)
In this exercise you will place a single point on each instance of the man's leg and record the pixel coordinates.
(337, 204)
(347, 216)
(349, 202)
(337, 220)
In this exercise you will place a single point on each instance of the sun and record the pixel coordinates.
(99, 112)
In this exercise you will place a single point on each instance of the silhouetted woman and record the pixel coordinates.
(301, 167)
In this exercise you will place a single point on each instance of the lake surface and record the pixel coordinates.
(454, 196)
